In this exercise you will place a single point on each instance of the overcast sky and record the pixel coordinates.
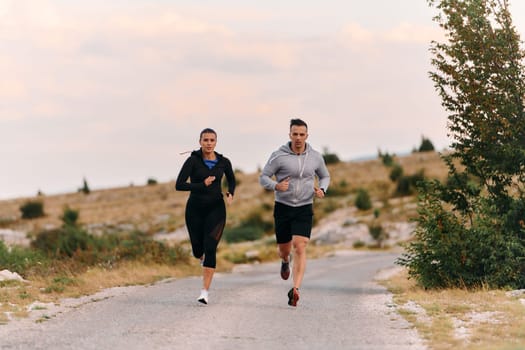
(113, 90)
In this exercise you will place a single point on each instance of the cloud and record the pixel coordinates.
(412, 33)
(357, 35)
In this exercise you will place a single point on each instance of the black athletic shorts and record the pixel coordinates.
(292, 221)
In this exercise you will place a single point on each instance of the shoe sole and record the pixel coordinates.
(202, 300)
(293, 297)
(285, 274)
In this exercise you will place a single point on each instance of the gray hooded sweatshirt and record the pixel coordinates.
(301, 169)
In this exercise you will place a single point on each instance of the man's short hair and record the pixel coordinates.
(298, 122)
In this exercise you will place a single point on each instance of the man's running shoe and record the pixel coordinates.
(285, 269)
(293, 296)
(203, 298)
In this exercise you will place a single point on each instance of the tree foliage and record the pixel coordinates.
(471, 230)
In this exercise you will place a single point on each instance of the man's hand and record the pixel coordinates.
(319, 193)
(283, 185)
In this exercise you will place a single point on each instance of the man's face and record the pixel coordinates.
(298, 136)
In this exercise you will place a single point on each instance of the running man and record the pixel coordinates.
(295, 167)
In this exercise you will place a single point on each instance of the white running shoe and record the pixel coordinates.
(203, 298)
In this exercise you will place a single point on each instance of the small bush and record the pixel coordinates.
(151, 181)
(362, 200)
(74, 243)
(64, 242)
(426, 145)
(396, 172)
(330, 158)
(377, 233)
(243, 233)
(85, 188)
(255, 218)
(20, 260)
(359, 244)
(32, 209)
(339, 189)
(70, 216)
(386, 158)
(407, 184)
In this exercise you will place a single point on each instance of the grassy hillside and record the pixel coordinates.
(159, 208)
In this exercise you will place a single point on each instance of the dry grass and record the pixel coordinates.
(461, 319)
(159, 207)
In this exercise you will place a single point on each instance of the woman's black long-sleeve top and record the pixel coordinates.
(195, 169)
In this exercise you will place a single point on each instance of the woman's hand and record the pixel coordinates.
(229, 198)
(209, 180)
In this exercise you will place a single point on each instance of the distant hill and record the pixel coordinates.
(159, 208)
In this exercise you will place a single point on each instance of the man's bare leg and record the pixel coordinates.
(299, 259)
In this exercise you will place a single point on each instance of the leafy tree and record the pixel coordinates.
(471, 230)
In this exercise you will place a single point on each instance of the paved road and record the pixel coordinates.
(340, 308)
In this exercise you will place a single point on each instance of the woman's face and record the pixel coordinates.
(208, 142)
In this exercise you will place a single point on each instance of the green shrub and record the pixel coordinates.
(70, 242)
(339, 189)
(243, 233)
(362, 200)
(255, 218)
(386, 158)
(151, 181)
(471, 250)
(64, 242)
(359, 244)
(85, 187)
(70, 216)
(32, 209)
(407, 184)
(396, 172)
(20, 260)
(378, 233)
(330, 158)
(426, 145)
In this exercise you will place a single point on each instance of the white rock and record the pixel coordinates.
(6, 275)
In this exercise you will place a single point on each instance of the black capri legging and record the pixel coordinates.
(205, 223)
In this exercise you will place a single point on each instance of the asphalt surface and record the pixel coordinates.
(341, 307)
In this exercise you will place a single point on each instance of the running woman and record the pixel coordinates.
(205, 210)
(295, 167)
